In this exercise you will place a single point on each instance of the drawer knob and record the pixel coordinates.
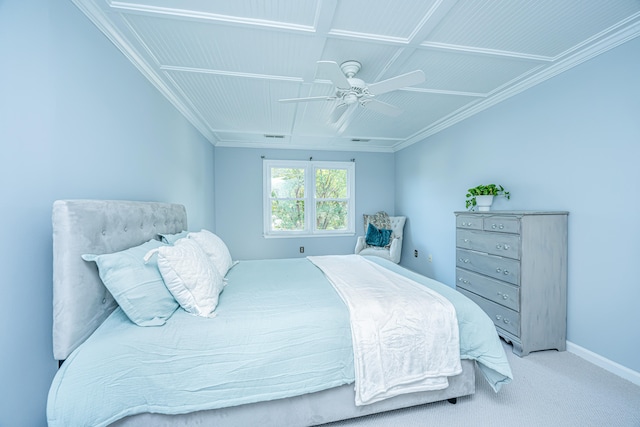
(504, 296)
(498, 270)
(506, 247)
(506, 272)
(493, 226)
(498, 317)
(498, 246)
(466, 240)
(506, 321)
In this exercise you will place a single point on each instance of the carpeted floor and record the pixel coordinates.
(550, 388)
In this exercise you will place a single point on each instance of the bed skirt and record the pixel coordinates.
(307, 410)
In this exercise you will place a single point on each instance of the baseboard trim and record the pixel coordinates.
(604, 363)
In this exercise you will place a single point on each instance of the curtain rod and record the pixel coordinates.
(263, 157)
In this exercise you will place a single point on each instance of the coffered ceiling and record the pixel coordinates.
(226, 64)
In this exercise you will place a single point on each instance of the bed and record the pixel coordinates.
(279, 348)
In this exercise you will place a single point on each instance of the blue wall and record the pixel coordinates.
(77, 120)
(239, 200)
(571, 143)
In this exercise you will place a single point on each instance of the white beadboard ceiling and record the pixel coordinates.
(225, 64)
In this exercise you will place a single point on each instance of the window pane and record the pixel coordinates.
(331, 183)
(287, 183)
(287, 215)
(331, 215)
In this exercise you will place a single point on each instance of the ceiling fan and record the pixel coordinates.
(351, 91)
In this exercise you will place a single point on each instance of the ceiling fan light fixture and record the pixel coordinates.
(350, 91)
(350, 98)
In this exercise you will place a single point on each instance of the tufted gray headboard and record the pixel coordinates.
(80, 300)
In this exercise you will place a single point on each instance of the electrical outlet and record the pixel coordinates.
(415, 253)
(430, 258)
(301, 249)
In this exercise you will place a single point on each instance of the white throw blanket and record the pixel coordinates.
(405, 336)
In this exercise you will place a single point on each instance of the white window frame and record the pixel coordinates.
(309, 197)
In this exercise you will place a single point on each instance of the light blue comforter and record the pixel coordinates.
(281, 331)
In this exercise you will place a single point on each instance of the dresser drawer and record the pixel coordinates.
(502, 317)
(500, 268)
(501, 224)
(501, 244)
(494, 290)
(469, 222)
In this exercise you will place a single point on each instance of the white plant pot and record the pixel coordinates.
(484, 203)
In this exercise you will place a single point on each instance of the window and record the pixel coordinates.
(308, 198)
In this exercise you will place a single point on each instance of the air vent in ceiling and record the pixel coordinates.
(274, 136)
(359, 140)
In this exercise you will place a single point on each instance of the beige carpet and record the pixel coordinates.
(550, 388)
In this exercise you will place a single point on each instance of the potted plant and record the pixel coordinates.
(482, 196)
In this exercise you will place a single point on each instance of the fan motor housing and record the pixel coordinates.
(357, 85)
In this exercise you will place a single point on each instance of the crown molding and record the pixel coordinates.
(597, 48)
(293, 146)
(99, 19)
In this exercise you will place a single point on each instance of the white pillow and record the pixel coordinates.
(215, 249)
(190, 277)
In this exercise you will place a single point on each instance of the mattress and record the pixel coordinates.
(281, 331)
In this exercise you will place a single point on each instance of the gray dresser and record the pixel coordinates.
(513, 264)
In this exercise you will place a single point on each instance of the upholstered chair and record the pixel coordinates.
(391, 251)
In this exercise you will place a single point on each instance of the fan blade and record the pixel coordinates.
(332, 71)
(382, 107)
(394, 83)
(337, 113)
(311, 98)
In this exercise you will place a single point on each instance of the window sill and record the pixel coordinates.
(307, 235)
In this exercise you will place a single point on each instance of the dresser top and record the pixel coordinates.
(487, 213)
